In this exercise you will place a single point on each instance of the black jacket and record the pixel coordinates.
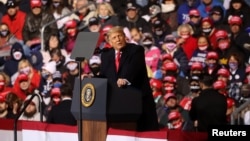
(209, 109)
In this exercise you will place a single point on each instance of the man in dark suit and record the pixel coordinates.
(210, 107)
(130, 72)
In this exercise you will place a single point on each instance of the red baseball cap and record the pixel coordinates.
(235, 20)
(221, 34)
(194, 12)
(156, 83)
(212, 55)
(219, 85)
(167, 56)
(174, 115)
(196, 66)
(169, 95)
(171, 66)
(35, 3)
(230, 102)
(55, 92)
(23, 77)
(224, 72)
(170, 79)
(70, 24)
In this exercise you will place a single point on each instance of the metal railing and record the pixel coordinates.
(236, 113)
(23, 109)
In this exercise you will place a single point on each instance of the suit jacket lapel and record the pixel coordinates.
(124, 56)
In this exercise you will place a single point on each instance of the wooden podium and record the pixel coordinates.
(104, 107)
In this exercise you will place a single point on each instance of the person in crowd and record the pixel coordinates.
(58, 9)
(16, 55)
(32, 113)
(238, 8)
(133, 19)
(169, 13)
(4, 111)
(94, 65)
(56, 55)
(217, 15)
(102, 42)
(212, 63)
(223, 74)
(225, 47)
(61, 113)
(195, 90)
(45, 5)
(239, 37)
(4, 82)
(160, 30)
(47, 72)
(71, 73)
(177, 122)
(106, 15)
(206, 5)
(70, 31)
(129, 71)
(34, 21)
(200, 53)
(222, 87)
(84, 13)
(14, 105)
(186, 41)
(152, 52)
(195, 21)
(184, 9)
(136, 35)
(196, 69)
(14, 18)
(156, 86)
(170, 104)
(154, 13)
(52, 42)
(209, 30)
(247, 76)
(94, 25)
(170, 47)
(210, 107)
(7, 39)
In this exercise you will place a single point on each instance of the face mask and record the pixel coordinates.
(223, 45)
(159, 32)
(4, 33)
(147, 44)
(56, 4)
(170, 46)
(165, 8)
(233, 65)
(185, 36)
(72, 33)
(44, 2)
(169, 88)
(57, 85)
(95, 70)
(72, 66)
(58, 63)
(207, 30)
(211, 65)
(25, 70)
(203, 47)
(17, 55)
(45, 75)
(104, 17)
(195, 88)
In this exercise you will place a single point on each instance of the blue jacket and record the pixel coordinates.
(183, 11)
(203, 11)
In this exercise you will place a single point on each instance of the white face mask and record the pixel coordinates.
(159, 32)
(204, 47)
(72, 66)
(25, 70)
(165, 8)
(17, 55)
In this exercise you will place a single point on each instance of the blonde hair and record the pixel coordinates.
(22, 62)
(6, 78)
(185, 26)
(108, 6)
(115, 29)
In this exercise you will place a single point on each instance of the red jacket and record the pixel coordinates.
(189, 46)
(34, 84)
(16, 24)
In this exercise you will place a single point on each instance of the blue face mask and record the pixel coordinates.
(57, 85)
(56, 4)
(233, 65)
(212, 65)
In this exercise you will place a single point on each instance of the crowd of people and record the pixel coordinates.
(197, 55)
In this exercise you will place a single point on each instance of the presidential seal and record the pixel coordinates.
(88, 95)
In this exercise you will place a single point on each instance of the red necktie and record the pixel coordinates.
(117, 60)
